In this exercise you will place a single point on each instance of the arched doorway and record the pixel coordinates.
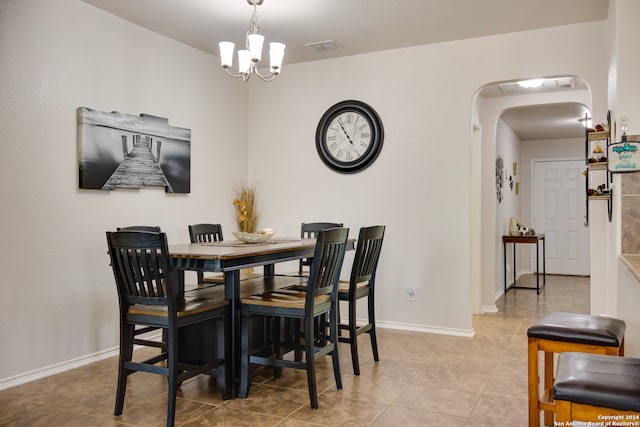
(488, 221)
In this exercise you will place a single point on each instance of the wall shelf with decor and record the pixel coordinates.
(596, 149)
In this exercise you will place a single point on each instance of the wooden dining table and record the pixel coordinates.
(232, 256)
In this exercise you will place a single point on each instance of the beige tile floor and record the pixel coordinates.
(421, 380)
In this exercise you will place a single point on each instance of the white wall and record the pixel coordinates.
(58, 300)
(624, 293)
(508, 147)
(420, 185)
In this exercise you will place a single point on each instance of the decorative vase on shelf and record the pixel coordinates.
(513, 226)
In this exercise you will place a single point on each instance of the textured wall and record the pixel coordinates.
(630, 194)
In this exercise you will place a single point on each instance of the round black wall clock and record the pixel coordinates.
(349, 136)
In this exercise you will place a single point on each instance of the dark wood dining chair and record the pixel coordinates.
(139, 330)
(361, 284)
(203, 233)
(310, 230)
(320, 298)
(147, 294)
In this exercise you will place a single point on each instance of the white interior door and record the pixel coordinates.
(559, 212)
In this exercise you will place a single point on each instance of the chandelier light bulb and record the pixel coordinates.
(244, 61)
(255, 46)
(276, 53)
(226, 54)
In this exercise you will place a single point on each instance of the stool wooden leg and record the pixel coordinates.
(563, 412)
(534, 413)
(548, 383)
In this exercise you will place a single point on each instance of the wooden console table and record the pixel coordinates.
(525, 239)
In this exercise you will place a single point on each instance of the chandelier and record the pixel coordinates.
(249, 57)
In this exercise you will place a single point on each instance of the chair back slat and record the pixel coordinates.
(140, 263)
(150, 228)
(367, 254)
(327, 261)
(202, 233)
(310, 230)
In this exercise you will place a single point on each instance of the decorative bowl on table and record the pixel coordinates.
(259, 236)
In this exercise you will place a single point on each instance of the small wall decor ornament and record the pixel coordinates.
(624, 156)
(499, 177)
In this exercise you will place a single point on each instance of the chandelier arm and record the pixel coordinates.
(265, 77)
(233, 75)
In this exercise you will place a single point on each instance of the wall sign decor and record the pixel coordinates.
(499, 177)
(349, 136)
(119, 150)
(624, 157)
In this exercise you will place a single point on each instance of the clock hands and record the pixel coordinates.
(345, 132)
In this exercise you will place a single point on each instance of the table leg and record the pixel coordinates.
(269, 270)
(504, 258)
(537, 268)
(514, 264)
(544, 261)
(232, 294)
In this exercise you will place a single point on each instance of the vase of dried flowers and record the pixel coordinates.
(246, 213)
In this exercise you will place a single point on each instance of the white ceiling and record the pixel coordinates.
(359, 26)
(549, 121)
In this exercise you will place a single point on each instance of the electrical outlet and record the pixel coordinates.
(411, 294)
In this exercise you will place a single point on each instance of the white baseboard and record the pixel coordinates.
(426, 329)
(56, 369)
(85, 360)
(488, 309)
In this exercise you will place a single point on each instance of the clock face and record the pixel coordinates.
(349, 136)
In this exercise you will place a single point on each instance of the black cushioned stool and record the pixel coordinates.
(564, 332)
(594, 387)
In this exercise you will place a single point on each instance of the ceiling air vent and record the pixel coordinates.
(510, 88)
(565, 83)
(324, 46)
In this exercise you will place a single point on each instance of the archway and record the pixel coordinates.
(487, 227)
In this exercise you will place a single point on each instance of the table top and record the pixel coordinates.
(229, 249)
(231, 255)
(523, 239)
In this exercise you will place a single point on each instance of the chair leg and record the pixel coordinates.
(244, 357)
(548, 383)
(372, 332)
(353, 338)
(309, 325)
(533, 382)
(172, 364)
(126, 354)
(333, 334)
